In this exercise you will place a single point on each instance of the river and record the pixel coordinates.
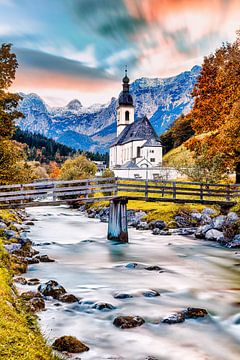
(197, 274)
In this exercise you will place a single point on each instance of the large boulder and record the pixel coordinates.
(52, 288)
(232, 217)
(157, 224)
(103, 306)
(218, 222)
(128, 322)
(69, 344)
(36, 304)
(214, 235)
(208, 211)
(201, 231)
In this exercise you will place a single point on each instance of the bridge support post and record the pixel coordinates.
(117, 224)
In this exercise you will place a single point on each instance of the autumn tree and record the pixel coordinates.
(215, 113)
(8, 101)
(180, 131)
(54, 170)
(78, 168)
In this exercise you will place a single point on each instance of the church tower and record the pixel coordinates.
(125, 109)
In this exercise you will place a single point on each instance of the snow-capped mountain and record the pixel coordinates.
(93, 128)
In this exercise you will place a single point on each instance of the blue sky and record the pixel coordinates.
(78, 48)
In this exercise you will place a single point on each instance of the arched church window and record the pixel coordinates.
(127, 115)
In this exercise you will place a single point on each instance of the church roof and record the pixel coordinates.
(138, 130)
(129, 165)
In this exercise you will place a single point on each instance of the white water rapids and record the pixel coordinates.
(198, 274)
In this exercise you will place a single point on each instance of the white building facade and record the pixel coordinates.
(137, 150)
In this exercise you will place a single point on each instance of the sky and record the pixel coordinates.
(70, 49)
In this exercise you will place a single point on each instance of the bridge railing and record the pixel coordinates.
(57, 191)
(178, 190)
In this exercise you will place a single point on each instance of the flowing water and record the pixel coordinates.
(198, 274)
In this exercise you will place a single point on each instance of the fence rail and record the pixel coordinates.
(60, 192)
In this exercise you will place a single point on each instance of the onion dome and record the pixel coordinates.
(125, 98)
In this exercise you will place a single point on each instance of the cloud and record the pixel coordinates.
(34, 60)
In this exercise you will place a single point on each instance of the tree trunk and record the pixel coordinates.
(238, 173)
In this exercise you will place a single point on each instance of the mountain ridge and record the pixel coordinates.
(93, 128)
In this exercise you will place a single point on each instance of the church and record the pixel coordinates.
(137, 151)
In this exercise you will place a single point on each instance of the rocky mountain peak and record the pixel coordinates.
(74, 105)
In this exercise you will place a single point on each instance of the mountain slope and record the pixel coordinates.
(94, 128)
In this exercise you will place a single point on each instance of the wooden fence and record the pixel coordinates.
(60, 192)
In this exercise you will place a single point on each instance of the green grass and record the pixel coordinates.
(20, 337)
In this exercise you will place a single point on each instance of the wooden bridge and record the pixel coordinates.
(118, 192)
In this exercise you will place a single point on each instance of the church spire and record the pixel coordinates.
(126, 81)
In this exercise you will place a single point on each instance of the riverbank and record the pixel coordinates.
(163, 219)
(20, 336)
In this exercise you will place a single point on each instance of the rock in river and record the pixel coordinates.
(68, 298)
(128, 322)
(174, 318)
(52, 288)
(44, 258)
(70, 344)
(194, 313)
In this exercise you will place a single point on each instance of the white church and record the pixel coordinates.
(137, 150)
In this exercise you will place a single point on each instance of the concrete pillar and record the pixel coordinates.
(117, 224)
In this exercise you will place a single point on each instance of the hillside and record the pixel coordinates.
(93, 128)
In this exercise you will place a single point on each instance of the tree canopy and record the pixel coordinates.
(216, 111)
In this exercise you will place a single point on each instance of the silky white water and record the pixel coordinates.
(198, 274)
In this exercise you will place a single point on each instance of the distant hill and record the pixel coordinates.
(94, 128)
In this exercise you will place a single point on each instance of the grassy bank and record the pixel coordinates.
(20, 337)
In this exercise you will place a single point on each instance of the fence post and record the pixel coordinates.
(146, 186)
(201, 191)
(228, 192)
(174, 190)
(21, 188)
(87, 184)
(115, 193)
(54, 192)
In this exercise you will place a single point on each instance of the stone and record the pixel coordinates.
(196, 215)
(103, 306)
(151, 358)
(157, 224)
(232, 217)
(29, 223)
(70, 344)
(206, 219)
(134, 266)
(36, 304)
(31, 260)
(194, 313)
(20, 280)
(51, 288)
(33, 282)
(235, 243)
(30, 295)
(214, 235)
(174, 318)
(151, 293)
(11, 248)
(142, 225)
(68, 298)
(208, 211)
(10, 233)
(218, 222)
(201, 231)
(44, 258)
(128, 322)
(122, 296)
(157, 231)
(153, 268)
(2, 225)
